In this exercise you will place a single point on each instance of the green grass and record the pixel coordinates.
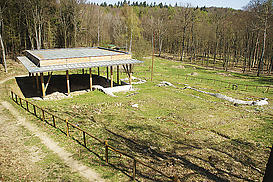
(176, 126)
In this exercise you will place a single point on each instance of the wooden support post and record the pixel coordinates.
(106, 151)
(84, 139)
(134, 169)
(130, 75)
(67, 127)
(67, 82)
(118, 75)
(83, 71)
(98, 71)
(90, 79)
(16, 99)
(20, 99)
(111, 72)
(42, 85)
(37, 82)
(107, 70)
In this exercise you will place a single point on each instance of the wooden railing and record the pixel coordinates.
(235, 86)
(66, 127)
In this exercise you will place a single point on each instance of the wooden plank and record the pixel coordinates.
(90, 79)
(43, 85)
(67, 82)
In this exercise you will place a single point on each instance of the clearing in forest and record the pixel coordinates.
(183, 132)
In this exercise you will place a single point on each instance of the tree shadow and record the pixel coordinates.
(155, 156)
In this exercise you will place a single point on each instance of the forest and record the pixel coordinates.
(214, 37)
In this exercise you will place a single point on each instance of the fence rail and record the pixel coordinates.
(66, 127)
(264, 88)
(232, 85)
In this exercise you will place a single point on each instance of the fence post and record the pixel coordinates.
(134, 169)
(16, 99)
(43, 114)
(34, 110)
(84, 139)
(11, 95)
(53, 119)
(20, 99)
(106, 151)
(67, 127)
(27, 105)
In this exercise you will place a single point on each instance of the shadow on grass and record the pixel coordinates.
(155, 156)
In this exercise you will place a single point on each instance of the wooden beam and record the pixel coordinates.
(111, 71)
(90, 78)
(67, 82)
(43, 85)
(118, 75)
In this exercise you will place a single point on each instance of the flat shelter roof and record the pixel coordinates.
(45, 54)
(73, 53)
(32, 68)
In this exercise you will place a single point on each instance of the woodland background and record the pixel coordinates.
(224, 37)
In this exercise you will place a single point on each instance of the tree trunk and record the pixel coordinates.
(3, 53)
(131, 40)
(183, 44)
(260, 66)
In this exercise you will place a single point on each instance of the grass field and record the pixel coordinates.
(178, 131)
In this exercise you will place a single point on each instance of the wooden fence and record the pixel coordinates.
(235, 86)
(66, 127)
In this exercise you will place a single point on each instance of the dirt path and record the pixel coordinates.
(65, 156)
(53, 146)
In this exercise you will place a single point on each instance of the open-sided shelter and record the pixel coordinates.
(50, 60)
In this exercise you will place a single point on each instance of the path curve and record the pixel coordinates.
(75, 165)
